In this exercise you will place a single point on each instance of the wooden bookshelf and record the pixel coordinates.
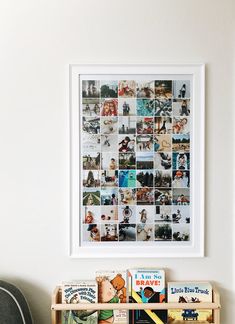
(57, 306)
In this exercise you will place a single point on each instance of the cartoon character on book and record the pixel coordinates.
(106, 294)
(119, 284)
(78, 316)
(146, 294)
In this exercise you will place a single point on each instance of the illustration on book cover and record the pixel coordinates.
(112, 288)
(80, 292)
(189, 292)
(147, 286)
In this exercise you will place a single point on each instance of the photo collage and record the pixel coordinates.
(135, 152)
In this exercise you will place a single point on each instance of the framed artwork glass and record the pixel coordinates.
(137, 160)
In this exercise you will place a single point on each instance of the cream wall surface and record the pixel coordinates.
(38, 39)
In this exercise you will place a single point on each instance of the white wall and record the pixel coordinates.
(37, 40)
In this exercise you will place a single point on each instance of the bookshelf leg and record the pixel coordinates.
(217, 316)
(55, 317)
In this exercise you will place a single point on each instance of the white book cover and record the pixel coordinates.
(79, 292)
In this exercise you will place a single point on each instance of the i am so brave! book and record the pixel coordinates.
(146, 286)
(193, 293)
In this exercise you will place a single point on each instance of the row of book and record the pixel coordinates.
(135, 286)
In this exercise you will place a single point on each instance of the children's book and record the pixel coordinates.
(146, 286)
(79, 292)
(189, 292)
(112, 288)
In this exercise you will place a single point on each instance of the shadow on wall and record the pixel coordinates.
(38, 299)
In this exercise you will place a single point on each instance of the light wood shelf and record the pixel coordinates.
(57, 306)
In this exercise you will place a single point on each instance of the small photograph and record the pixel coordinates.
(126, 107)
(162, 143)
(91, 107)
(180, 179)
(109, 89)
(91, 178)
(145, 107)
(127, 215)
(91, 233)
(126, 143)
(109, 196)
(162, 125)
(109, 107)
(181, 232)
(127, 178)
(91, 197)
(181, 89)
(109, 125)
(163, 160)
(163, 197)
(181, 143)
(181, 125)
(181, 107)
(91, 214)
(127, 125)
(127, 88)
(181, 215)
(181, 161)
(163, 232)
(145, 125)
(109, 142)
(162, 178)
(181, 197)
(109, 214)
(144, 160)
(144, 143)
(91, 161)
(145, 232)
(145, 89)
(163, 89)
(127, 161)
(90, 88)
(127, 232)
(127, 196)
(144, 178)
(145, 196)
(163, 107)
(144, 214)
(91, 143)
(109, 178)
(109, 161)
(163, 214)
(91, 125)
(109, 232)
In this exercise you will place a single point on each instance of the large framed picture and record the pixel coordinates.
(137, 160)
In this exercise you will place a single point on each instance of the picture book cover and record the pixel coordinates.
(147, 286)
(112, 288)
(189, 292)
(79, 292)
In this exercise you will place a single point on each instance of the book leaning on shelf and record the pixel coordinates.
(79, 292)
(146, 286)
(112, 288)
(193, 293)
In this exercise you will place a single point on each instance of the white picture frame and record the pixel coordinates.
(195, 73)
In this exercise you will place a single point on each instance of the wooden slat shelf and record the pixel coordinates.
(57, 307)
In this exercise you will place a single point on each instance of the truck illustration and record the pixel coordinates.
(189, 314)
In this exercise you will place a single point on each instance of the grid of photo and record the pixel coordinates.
(135, 160)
